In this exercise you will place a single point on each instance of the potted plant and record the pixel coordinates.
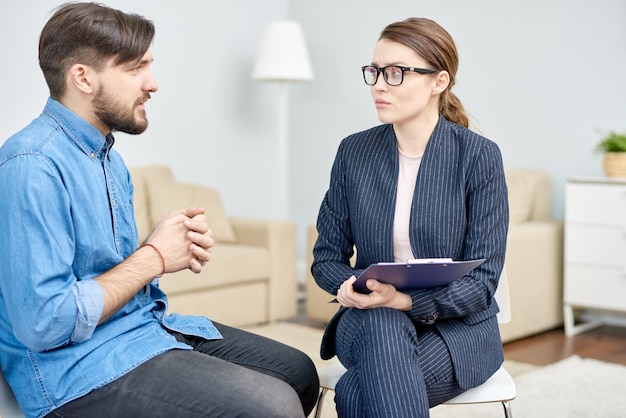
(613, 146)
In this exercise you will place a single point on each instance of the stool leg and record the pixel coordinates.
(507, 409)
(320, 403)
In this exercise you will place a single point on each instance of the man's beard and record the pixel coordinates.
(112, 114)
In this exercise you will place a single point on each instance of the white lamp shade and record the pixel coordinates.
(283, 55)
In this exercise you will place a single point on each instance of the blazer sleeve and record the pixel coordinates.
(334, 246)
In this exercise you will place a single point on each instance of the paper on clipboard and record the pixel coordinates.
(416, 274)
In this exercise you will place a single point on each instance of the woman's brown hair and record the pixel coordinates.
(90, 34)
(435, 45)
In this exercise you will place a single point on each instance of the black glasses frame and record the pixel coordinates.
(385, 77)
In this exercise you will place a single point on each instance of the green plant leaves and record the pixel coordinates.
(613, 142)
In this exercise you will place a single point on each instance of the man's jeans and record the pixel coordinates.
(275, 381)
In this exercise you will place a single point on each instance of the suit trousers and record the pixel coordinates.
(395, 368)
(243, 375)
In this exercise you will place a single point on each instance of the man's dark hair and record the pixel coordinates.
(89, 34)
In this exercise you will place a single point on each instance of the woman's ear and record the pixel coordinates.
(442, 80)
(80, 77)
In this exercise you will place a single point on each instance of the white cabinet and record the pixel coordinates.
(595, 251)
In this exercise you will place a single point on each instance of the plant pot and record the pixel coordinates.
(615, 164)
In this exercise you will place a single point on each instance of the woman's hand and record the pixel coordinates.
(382, 296)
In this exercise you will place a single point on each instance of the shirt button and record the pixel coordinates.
(93, 155)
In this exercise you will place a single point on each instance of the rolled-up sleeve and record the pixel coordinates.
(89, 305)
(46, 303)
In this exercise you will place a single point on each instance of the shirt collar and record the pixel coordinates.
(86, 136)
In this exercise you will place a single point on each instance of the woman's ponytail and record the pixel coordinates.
(452, 109)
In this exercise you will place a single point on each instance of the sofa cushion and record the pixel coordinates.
(236, 306)
(141, 177)
(168, 196)
(230, 265)
(520, 184)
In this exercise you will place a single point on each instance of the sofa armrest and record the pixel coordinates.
(280, 239)
(534, 267)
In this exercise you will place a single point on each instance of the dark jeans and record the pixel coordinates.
(243, 375)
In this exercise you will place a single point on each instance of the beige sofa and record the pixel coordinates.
(251, 277)
(534, 261)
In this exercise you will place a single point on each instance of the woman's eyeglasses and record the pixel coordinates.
(393, 74)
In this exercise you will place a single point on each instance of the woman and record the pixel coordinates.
(421, 185)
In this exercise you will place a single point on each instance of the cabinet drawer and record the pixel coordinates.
(594, 287)
(595, 203)
(592, 244)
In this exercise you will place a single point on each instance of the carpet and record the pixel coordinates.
(571, 388)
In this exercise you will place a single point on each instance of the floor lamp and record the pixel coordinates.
(283, 58)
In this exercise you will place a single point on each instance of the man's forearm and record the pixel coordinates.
(123, 281)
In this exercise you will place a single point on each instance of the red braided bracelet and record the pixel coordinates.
(160, 255)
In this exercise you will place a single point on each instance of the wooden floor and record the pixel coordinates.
(606, 343)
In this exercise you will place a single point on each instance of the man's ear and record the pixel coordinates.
(82, 78)
(442, 80)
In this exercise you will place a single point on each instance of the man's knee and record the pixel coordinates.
(278, 400)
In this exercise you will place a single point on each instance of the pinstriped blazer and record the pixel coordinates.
(459, 210)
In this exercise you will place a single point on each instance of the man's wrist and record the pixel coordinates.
(154, 249)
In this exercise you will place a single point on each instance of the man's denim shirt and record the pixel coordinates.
(66, 217)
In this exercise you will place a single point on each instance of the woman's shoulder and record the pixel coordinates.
(467, 134)
(377, 136)
(366, 147)
(451, 136)
(453, 144)
(373, 133)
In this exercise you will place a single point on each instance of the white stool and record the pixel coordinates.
(500, 387)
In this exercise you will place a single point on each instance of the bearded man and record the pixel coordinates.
(83, 324)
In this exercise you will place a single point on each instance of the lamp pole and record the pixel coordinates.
(283, 152)
(283, 58)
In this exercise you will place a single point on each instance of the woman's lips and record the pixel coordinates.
(381, 104)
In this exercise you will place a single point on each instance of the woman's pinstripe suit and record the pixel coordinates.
(460, 211)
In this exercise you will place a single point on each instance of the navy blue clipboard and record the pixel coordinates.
(411, 275)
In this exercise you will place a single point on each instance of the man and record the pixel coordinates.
(83, 329)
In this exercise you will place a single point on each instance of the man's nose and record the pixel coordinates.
(151, 84)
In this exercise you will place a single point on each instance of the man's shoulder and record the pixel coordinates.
(31, 139)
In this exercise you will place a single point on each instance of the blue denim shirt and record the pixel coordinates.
(66, 216)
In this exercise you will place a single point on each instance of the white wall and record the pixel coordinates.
(539, 77)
